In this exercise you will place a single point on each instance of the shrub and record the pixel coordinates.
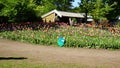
(119, 23)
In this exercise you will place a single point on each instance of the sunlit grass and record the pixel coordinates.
(23, 64)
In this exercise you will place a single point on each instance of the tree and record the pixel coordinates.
(101, 9)
(1, 5)
(8, 9)
(30, 10)
(19, 10)
(38, 2)
(45, 7)
(63, 5)
(86, 6)
(25, 10)
(76, 9)
(97, 8)
(116, 12)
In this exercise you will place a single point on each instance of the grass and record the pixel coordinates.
(23, 64)
(74, 36)
(15, 64)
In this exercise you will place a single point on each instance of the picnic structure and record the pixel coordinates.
(62, 16)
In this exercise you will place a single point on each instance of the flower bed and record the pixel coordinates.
(75, 37)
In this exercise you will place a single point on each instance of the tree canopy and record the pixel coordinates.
(18, 10)
(31, 10)
(101, 9)
(116, 12)
(86, 6)
(97, 8)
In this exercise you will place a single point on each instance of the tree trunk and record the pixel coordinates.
(86, 16)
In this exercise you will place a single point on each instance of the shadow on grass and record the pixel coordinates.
(13, 58)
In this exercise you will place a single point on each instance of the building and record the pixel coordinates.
(62, 16)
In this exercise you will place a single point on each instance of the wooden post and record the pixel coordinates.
(70, 21)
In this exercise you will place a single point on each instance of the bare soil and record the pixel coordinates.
(49, 54)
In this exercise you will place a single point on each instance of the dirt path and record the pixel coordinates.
(49, 54)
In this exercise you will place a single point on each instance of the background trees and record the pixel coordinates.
(31, 10)
(25, 10)
(97, 8)
(8, 8)
(18, 10)
(116, 12)
(101, 9)
(86, 6)
(64, 5)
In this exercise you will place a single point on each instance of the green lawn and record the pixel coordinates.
(22, 64)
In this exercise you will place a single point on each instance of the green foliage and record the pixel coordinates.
(118, 23)
(66, 3)
(30, 10)
(97, 8)
(25, 10)
(86, 6)
(45, 7)
(97, 12)
(8, 8)
(114, 13)
(19, 10)
(101, 9)
(75, 37)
